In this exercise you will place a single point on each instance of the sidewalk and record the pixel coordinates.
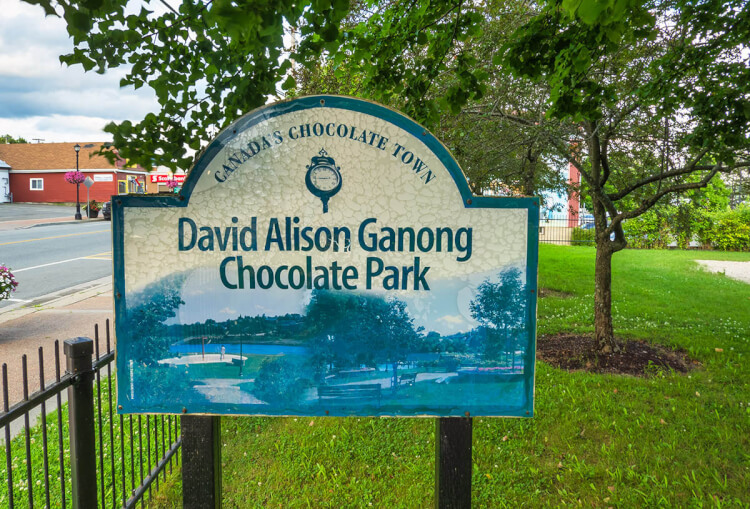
(27, 215)
(23, 330)
(30, 223)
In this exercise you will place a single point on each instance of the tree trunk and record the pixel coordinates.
(529, 176)
(603, 330)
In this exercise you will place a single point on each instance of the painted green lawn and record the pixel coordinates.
(216, 370)
(668, 440)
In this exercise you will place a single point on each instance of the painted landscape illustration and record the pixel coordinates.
(341, 353)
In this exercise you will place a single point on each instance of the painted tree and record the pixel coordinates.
(353, 329)
(145, 320)
(501, 307)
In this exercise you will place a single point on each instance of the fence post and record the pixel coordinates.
(78, 353)
(453, 462)
(201, 462)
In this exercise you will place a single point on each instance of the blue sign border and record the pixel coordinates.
(532, 205)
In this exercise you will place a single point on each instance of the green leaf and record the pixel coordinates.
(571, 6)
(49, 10)
(92, 4)
(582, 59)
(289, 84)
(589, 11)
(79, 21)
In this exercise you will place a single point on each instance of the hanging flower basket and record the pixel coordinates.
(8, 283)
(75, 177)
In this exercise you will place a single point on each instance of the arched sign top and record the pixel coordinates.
(318, 102)
(325, 257)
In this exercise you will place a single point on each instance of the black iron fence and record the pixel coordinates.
(566, 231)
(580, 231)
(79, 452)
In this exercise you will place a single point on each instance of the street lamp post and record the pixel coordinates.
(77, 148)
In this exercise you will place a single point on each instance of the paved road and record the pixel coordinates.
(55, 258)
(16, 211)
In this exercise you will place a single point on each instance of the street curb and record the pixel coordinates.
(59, 299)
(81, 221)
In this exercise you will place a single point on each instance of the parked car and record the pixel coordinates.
(107, 211)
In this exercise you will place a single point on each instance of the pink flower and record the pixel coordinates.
(75, 177)
(8, 282)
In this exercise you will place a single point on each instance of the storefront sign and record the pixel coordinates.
(326, 258)
(163, 179)
(99, 177)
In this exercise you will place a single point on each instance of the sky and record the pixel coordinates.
(444, 309)
(42, 98)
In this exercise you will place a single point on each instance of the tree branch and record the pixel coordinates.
(428, 25)
(605, 161)
(689, 168)
(652, 200)
(169, 7)
(494, 113)
(619, 118)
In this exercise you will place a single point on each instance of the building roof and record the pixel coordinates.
(55, 156)
(4, 165)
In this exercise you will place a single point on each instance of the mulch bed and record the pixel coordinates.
(571, 352)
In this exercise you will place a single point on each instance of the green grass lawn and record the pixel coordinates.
(668, 440)
(114, 459)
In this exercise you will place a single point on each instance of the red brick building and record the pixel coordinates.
(37, 172)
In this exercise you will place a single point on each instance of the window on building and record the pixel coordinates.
(37, 184)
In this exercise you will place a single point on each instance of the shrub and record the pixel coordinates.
(450, 363)
(728, 230)
(650, 230)
(583, 237)
(281, 381)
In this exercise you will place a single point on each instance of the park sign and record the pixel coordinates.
(325, 256)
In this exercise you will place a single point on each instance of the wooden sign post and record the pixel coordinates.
(201, 462)
(453, 462)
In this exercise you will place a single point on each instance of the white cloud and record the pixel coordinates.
(56, 128)
(42, 98)
(453, 319)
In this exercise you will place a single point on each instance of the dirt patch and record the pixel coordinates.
(637, 358)
(549, 292)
